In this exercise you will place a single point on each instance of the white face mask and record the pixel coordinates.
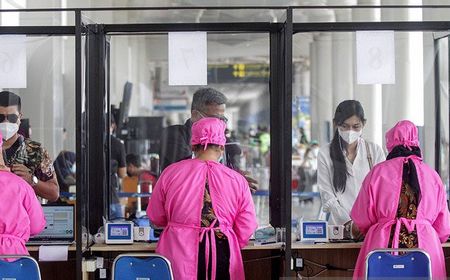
(350, 136)
(8, 130)
(315, 152)
(73, 169)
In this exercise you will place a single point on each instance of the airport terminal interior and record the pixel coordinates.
(284, 66)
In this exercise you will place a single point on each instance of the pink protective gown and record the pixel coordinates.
(176, 205)
(375, 208)
(21, 214)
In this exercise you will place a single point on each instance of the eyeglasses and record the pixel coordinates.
(12, 118)
(220, 117)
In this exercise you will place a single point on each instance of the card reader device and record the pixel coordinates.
(315, 231)
(119, 233)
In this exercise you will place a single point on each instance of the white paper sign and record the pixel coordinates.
(13, 61)
(375, 57)
(187, 58)
(53, 253)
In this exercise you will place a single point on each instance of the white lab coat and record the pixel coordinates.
(340, 204)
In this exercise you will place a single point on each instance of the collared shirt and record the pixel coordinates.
(32, 155)
(339, 204)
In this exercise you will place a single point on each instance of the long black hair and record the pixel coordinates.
(409, 169)
(346, 109)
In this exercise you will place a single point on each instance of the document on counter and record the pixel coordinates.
(49, 253)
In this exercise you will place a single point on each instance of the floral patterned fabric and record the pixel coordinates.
(208, 215)
(32, 155)
(407, 208)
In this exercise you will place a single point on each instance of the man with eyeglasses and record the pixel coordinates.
(176, 139)
(26, 158)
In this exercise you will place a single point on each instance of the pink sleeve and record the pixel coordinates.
(34, 210)
(245, 221)
(155, 209)
(442, 222)
(363, 211)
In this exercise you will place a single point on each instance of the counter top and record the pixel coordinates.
(343, 245)
(142, 246)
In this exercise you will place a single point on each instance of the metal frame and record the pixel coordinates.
(437, 104)
(218, 27)
(80, 145)
(97, 127)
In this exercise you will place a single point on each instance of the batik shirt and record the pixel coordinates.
(32, 155)
(208, 215)
(407, 208)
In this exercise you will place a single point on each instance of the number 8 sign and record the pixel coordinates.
(375, 57)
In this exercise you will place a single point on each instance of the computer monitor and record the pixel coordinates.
(59, 228)
(144, 133)
(124, 108)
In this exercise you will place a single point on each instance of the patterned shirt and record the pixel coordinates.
(32, 155)
(208, 215)
(407, 208)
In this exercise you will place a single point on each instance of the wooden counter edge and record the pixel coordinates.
(251, 246)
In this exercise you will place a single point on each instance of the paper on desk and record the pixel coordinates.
(53, 253)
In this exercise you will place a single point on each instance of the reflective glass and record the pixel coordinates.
(325, 74)
(187, 16)
(237, 66)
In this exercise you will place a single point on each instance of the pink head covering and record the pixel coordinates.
(403, 133)
(208, 131)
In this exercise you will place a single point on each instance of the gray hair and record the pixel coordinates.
(204, 97)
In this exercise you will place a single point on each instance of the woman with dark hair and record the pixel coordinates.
(403, 203)
(344, 163)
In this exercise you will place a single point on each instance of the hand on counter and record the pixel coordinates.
(351, 231)
(357, 235)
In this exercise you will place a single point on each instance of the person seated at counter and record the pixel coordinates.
(26, 158)
(65, 170)
(137, 175)
(206, 210)
(403, 203)
(22, 214)
(343, 164)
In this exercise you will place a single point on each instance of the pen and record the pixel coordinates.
(269, 242)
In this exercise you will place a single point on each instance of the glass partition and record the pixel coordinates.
(325, 74)
(442, 63)
(186, 16)
(144, 103)
(387, 13)
(48, 108)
